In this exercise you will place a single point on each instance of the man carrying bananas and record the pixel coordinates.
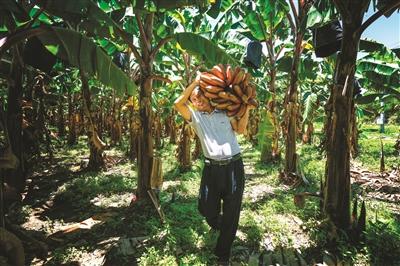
(223, 173)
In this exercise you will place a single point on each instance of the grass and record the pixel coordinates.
(269, 218)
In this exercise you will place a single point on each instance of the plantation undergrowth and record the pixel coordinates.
(114, 231)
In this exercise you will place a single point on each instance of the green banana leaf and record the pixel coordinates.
(168, 4)
(81, 52)
(268, 15)
(285, 63)
(321, 13)
(309, 106)
(90, 16)
(377, 66)
(206, 50)
(266, 130)
(370, 46)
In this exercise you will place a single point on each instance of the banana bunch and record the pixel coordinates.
(228, 89)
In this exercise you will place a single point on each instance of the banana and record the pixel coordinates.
(223, 105)
(213, 103)
(253, 91)
(234, 73)
(212, 80)
(245, 99)
(213, 89)
(238, 77)
(249, 91)
(233, 112)
(220, 100)
(238, 90)
(224, 95)
(233, 106)
(228, 74)
(218, 71)
(210, 95)
(202, 87)
(203, 84)
(241, 111)
(223, 70)
(246, 79)
(234, 98)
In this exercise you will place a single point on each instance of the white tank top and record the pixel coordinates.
(217, 138)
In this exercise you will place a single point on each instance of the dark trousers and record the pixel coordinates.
(222, 183)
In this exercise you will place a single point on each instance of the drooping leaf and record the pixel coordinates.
(285, 63)
(378, 66)
(215, 9)
(266, 129)
(264, 17)
(81, 52)
(309, 106)
(206, 50)
(321, 13)
(370, 46)
(167, 4)
(92, 17)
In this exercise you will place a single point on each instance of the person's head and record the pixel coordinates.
(200, 101)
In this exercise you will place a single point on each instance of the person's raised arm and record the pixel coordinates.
(180, 103)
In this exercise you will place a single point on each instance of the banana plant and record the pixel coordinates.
(340, 107)
(137, 30)
(265, 21)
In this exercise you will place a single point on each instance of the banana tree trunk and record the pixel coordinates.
(61, 121)
(184, 148)
(15, 177)
(336, 188)
(307, 133)
(252, 127)
(146, 153)
(134, 127)
(354, 133)
(172, 128)
(197, 148)
(270, 148)
(71, 120)
(96, 146)
(41, 131)
(99, 118)
(157, 131)
(292, 110)
(146, 141)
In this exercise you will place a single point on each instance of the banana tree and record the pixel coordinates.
(379, 75)
(15, 88)
(144, 47)
(336, 188)
(313, 78)
(297, 19)
(264, 21)
(73, 47)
